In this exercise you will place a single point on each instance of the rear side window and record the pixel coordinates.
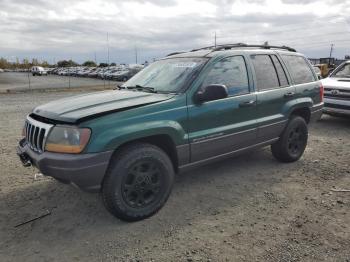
(232, 73)
(280, 71)
(265, 72)
(299, 69)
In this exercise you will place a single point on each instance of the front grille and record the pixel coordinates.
(36, 133)
(337, 96)
(338, 89)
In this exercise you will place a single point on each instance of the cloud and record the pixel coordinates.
(78, 29)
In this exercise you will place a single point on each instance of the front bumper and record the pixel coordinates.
(316, 112)
(335, 106)
(84, 170)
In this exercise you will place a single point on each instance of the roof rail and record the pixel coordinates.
(237, 45)
(230, 46)
(175, 53)
(203, 48)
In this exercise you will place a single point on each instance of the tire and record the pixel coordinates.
(292, 143)
(138, 182)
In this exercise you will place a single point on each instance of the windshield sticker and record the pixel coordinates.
(188, 64)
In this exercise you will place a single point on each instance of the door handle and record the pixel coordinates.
(247, 103)
(290, 94)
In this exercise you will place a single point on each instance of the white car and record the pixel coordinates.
(337, 91)
(38, 71)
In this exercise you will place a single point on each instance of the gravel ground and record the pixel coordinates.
(249, 208)
(23, 81)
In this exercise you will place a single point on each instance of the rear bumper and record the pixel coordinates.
(316, 112)
(84, 170)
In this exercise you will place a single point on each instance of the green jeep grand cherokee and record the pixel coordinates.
(182, 111)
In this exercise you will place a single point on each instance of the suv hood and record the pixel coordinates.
(77, 108)
(336, 82)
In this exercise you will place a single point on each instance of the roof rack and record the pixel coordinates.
(175, 53)
(203, 48)
(230, 46)
(237, 45)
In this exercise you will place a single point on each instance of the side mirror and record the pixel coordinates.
(319, 77)
(212, 92)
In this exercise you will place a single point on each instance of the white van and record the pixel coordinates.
(38, 70)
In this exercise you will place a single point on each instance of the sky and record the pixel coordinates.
(87, 29)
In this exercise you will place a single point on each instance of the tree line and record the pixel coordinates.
(26, 63)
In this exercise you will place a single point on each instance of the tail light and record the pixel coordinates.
(321, 92)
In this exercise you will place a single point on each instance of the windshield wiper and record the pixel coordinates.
(143, 88)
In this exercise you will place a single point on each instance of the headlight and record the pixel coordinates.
(63, 139)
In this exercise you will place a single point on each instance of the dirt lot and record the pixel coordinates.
(250, 208)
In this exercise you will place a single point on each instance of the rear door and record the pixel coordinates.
(225, 125)
(304, 78)
(274, 92)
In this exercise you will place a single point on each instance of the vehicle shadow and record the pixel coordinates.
(335, 121)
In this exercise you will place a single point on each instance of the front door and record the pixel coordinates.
(225, 125)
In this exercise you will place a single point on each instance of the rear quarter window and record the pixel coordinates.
(299, 69)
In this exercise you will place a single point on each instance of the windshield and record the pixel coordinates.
(342, 71)
(167, 75)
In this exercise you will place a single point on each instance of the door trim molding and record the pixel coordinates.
(225, 155)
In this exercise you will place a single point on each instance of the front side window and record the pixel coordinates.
(342, 71)
(265, 72)
(168, 75)
(299, 69)
(232, 73)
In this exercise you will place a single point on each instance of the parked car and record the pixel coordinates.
(337, 91)
(1, 70)
(125, 74)
(179, 112)
(38, 71)
(122, 75)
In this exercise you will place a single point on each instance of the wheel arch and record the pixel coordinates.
(303, 112)
(163, 141)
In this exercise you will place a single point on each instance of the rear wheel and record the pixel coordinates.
(138, 182)
(292, 143)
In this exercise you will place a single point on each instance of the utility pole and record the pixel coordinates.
(104, 76)
(215, 39)
(95, 58)
(330, 54)
(28, 70)
(136, 54)
(107, 49)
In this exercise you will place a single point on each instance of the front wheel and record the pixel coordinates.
(138, 182)
(292, 143)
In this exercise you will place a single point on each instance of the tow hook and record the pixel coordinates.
(24, 158)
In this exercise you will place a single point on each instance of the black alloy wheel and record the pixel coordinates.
(292, 142)
(138, 181)
(141, 186)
